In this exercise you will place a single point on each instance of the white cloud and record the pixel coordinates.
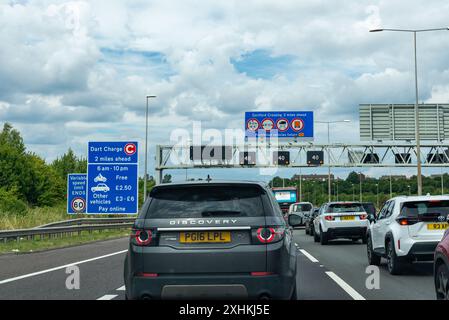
(77, 70)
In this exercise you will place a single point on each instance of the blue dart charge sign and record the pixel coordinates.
(289, 124)
(112, 178)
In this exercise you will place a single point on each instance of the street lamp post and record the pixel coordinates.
(329, 191)
(146, 152)
(418, 142)
(391, 186)
(353, 192)
(442, 181)
(360, 178)
(336, 183)
(377, 195)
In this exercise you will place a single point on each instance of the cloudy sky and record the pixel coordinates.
(74, 71)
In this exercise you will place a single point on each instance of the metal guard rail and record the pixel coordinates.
(83, 221)
(31, 233)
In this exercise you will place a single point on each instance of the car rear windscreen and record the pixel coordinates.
(425, 210)
(206, 201)
(304, 207)
(345, 207)
(369, 208)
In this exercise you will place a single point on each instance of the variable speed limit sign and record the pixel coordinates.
(281, 158)
(76, 193)
(315, 158)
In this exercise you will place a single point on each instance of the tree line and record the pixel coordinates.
(371, 189)
(26, 180)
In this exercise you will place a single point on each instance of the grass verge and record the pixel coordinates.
(34, 217)
(27, 246)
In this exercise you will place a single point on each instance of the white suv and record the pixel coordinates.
(301, 209)
(337, 220)
(407, 229)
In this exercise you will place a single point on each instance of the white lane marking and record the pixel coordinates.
(122, 288)
(108, 297)
(60, 267)
(349, 290)
(308, 255)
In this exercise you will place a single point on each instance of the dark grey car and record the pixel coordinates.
(211, 240)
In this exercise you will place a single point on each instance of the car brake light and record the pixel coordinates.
(329, 218)
(405, 221)
(142, 237)
(147, 275)
(363, 217)
(270, 234)
(261, 273)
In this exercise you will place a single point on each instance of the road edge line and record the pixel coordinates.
(60, 267)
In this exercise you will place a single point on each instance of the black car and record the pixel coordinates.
(309, 221)
(211, 240)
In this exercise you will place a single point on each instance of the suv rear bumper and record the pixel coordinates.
(422, 251)
(209, 286)
(346, 232)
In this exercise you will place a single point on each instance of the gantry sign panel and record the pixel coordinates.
(302, 155)
(396, 122)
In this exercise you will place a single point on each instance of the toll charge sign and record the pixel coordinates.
(288, 124)
(76, 193)
(112, 178)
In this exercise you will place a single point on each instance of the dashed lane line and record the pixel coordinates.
(346, 287)
(108, 297)
(308, 255)
(122, 288)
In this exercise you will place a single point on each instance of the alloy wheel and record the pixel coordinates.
(390, 257)
(443, 285)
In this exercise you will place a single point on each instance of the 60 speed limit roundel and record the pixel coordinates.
(78, 205)
(130, 149)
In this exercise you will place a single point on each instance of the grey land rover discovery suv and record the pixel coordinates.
(211, 240)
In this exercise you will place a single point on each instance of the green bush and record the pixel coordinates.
(10, 204)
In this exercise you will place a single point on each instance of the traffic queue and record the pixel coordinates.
(406, 230)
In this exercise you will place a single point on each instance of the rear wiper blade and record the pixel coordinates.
(224, 213)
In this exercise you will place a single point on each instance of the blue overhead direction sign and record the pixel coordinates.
(76, 193)
(112, 178)
(286, 124)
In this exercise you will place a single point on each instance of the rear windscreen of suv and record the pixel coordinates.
(369, 208)
(304, 207)
(206, 201)
(345, 207)
(425, 210)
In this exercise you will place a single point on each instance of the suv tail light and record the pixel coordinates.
(143, 237)
(268, 234)
(363, 217)
(329, 218)
(403, 221)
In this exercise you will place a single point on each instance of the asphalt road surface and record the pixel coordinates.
(333, 272)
